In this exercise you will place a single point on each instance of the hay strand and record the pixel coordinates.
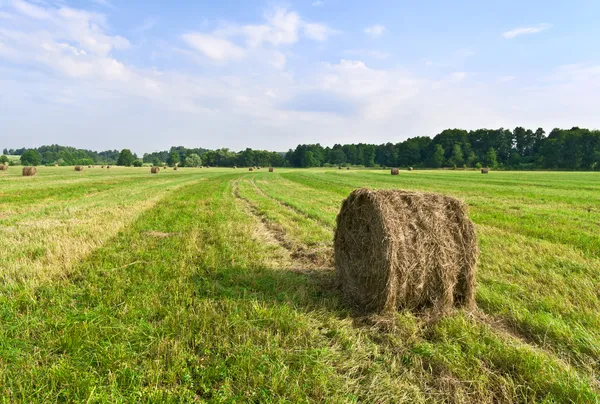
(398, 249)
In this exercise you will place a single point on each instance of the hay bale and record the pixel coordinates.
(395, 171)
(398, 249)
(89, 166)
(78, 168)
(29, 171)
(485, 170)
(175, 168)
(250, 169)
(347, 168)
(102, 167)
(154, 170)
(410, 169)
(340, 167)
(3, 167)
(271, 169)
(234, 167)
(165, 167)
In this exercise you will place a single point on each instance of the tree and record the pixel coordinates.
(193, 160)
(31, 158)
(437, 157)
(491, 160)
(155, 162)
(138, 163)
(3, 159)
(173, 159)
(457, 155)
(126, 158)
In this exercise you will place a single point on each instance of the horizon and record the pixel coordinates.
(273, 75)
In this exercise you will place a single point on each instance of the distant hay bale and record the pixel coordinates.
(78, 168)
(29, 171)
(398, 249)
(271, 169)
(234, 167)
(410, 169)
(258, 167)
(340, 167)
(175, 168)
(102, 167)
(89, 166)
(485, 170)
(347, 168)
(107, 166)
(3, 167)
(154, 170)
(395, 171)
(251, 169)
(165, 167)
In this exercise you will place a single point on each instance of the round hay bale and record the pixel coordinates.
(340, 167)
(154, 170)
(175, 168)
(165, 167)
(3, 167)
(395, 171)
(410, 169)
(29, 171)
(234, 167)
(250, 169)
(347, 168)
(89, 166)
(271, 169)
(78, 168)
(102, 167)
(107, 166)
(398, 249)
(485, 170)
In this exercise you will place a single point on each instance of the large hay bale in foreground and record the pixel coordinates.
(154, 170)
(78, 168)
(485, 170)
(3, 167)
(29, 171)
(398, 249)
(271, 169)
(395, 171)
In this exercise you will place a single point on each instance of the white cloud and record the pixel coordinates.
(281, 29)
(215, 48)
(318, 32)
(526, 31)
(506, 79)
(375, 31)
(458, 76)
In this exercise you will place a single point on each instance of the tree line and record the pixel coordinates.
(520, 148)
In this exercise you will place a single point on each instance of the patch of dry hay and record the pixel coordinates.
(102, 167)
(154, 170)
(485, 170)
(175, 168)
(3, 167)
(78, 168)
(271, 169)
(250, 169)
(410, 169)
(29, 171)
(395, 171)
(398, 249)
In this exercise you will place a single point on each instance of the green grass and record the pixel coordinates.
(215, 285)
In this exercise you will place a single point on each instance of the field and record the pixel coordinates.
(217, 285)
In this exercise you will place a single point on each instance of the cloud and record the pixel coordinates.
(375, 31)
(318, 3)
(506, 79)
(369, 53)
(146, 25)
(318, 32)
(215, 48)
(526, 31)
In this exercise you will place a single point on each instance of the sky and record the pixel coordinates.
(147, 75)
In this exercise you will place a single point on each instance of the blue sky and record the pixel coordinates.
(146, 75)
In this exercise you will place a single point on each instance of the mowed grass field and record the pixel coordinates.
(217, 285)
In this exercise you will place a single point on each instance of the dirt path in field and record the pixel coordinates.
(300, 255)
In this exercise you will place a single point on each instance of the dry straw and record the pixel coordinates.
(271, 169)
(3, 167)
(175, 168)
(78, 168)
(154, 170)
(102, 167)
(29, 171)
(107, 166)
(250, 169)
(397, 249)
(485, 170)
(395, 171)
(410, 169)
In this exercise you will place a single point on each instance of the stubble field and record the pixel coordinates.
(217, 285)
